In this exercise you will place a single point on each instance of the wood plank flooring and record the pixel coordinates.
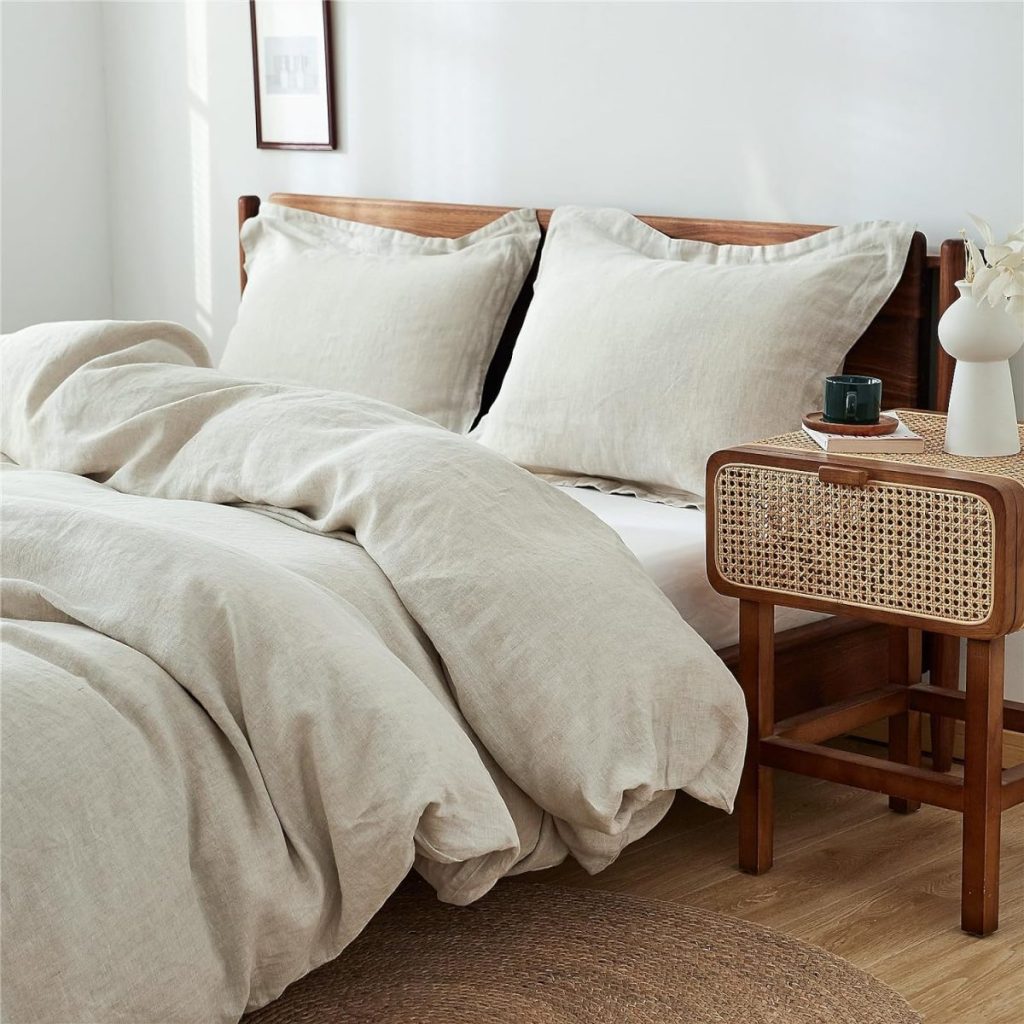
(878, 888)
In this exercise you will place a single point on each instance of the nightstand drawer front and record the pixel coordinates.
(901, 548)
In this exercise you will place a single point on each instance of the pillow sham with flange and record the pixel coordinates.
(344, 306)
(642, 354)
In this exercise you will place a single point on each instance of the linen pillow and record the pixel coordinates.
(352, 307)
(642, 354)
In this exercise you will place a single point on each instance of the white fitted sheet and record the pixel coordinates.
(669, 543)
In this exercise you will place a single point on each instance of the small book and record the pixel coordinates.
(901, 441)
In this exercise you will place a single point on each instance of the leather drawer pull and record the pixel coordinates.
(843, 475)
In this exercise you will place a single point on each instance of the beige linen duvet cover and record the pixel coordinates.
(267, 647)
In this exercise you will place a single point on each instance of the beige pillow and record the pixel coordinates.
(350, 307)
(641, 354)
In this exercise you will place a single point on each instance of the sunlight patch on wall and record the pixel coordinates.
(196, 58)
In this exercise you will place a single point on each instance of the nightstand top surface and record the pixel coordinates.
(932, 427)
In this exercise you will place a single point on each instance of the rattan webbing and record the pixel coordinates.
(912, 549)
(895, 547)
(932, 427)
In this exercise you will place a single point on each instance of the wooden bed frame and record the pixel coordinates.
(818, 663)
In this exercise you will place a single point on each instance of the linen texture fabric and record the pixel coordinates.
(383, 313)
(642, 354)
(268, 647)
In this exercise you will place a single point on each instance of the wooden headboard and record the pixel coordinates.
(896, 346)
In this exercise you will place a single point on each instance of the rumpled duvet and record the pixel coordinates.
(265, 648)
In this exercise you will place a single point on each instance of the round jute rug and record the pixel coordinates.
(535, 954)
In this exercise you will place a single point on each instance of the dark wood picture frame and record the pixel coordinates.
(263, 143)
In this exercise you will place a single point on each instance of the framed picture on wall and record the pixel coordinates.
(292, 72)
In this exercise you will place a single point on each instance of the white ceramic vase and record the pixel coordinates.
(982, 419)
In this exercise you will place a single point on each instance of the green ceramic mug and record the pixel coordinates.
(852, 398)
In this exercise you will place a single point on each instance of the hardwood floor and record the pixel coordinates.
(878, 888)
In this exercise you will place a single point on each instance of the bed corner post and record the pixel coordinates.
(248, 206)
(944, 670)
(952, 267)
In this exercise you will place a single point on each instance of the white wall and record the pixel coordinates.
(55, 261)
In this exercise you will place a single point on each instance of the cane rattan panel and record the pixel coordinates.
(921, 551)
(932, 427)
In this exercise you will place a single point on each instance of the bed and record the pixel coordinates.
(260, 642)
(816, 659)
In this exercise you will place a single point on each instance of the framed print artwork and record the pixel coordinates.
(291, 63)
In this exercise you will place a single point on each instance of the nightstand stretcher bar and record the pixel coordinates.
(838, 719)
(863, 771)
(953, 704)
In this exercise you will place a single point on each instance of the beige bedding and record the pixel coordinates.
(280, 647)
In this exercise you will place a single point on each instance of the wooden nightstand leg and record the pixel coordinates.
(905, 728)
(983, 762)
(755, 801)
(944, 672)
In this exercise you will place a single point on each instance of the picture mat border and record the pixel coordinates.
(331, 142)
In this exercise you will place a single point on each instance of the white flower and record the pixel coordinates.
(996, 271)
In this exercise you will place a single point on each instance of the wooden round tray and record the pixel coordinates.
(885, 425)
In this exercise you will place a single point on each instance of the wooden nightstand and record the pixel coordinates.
(928, 542)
